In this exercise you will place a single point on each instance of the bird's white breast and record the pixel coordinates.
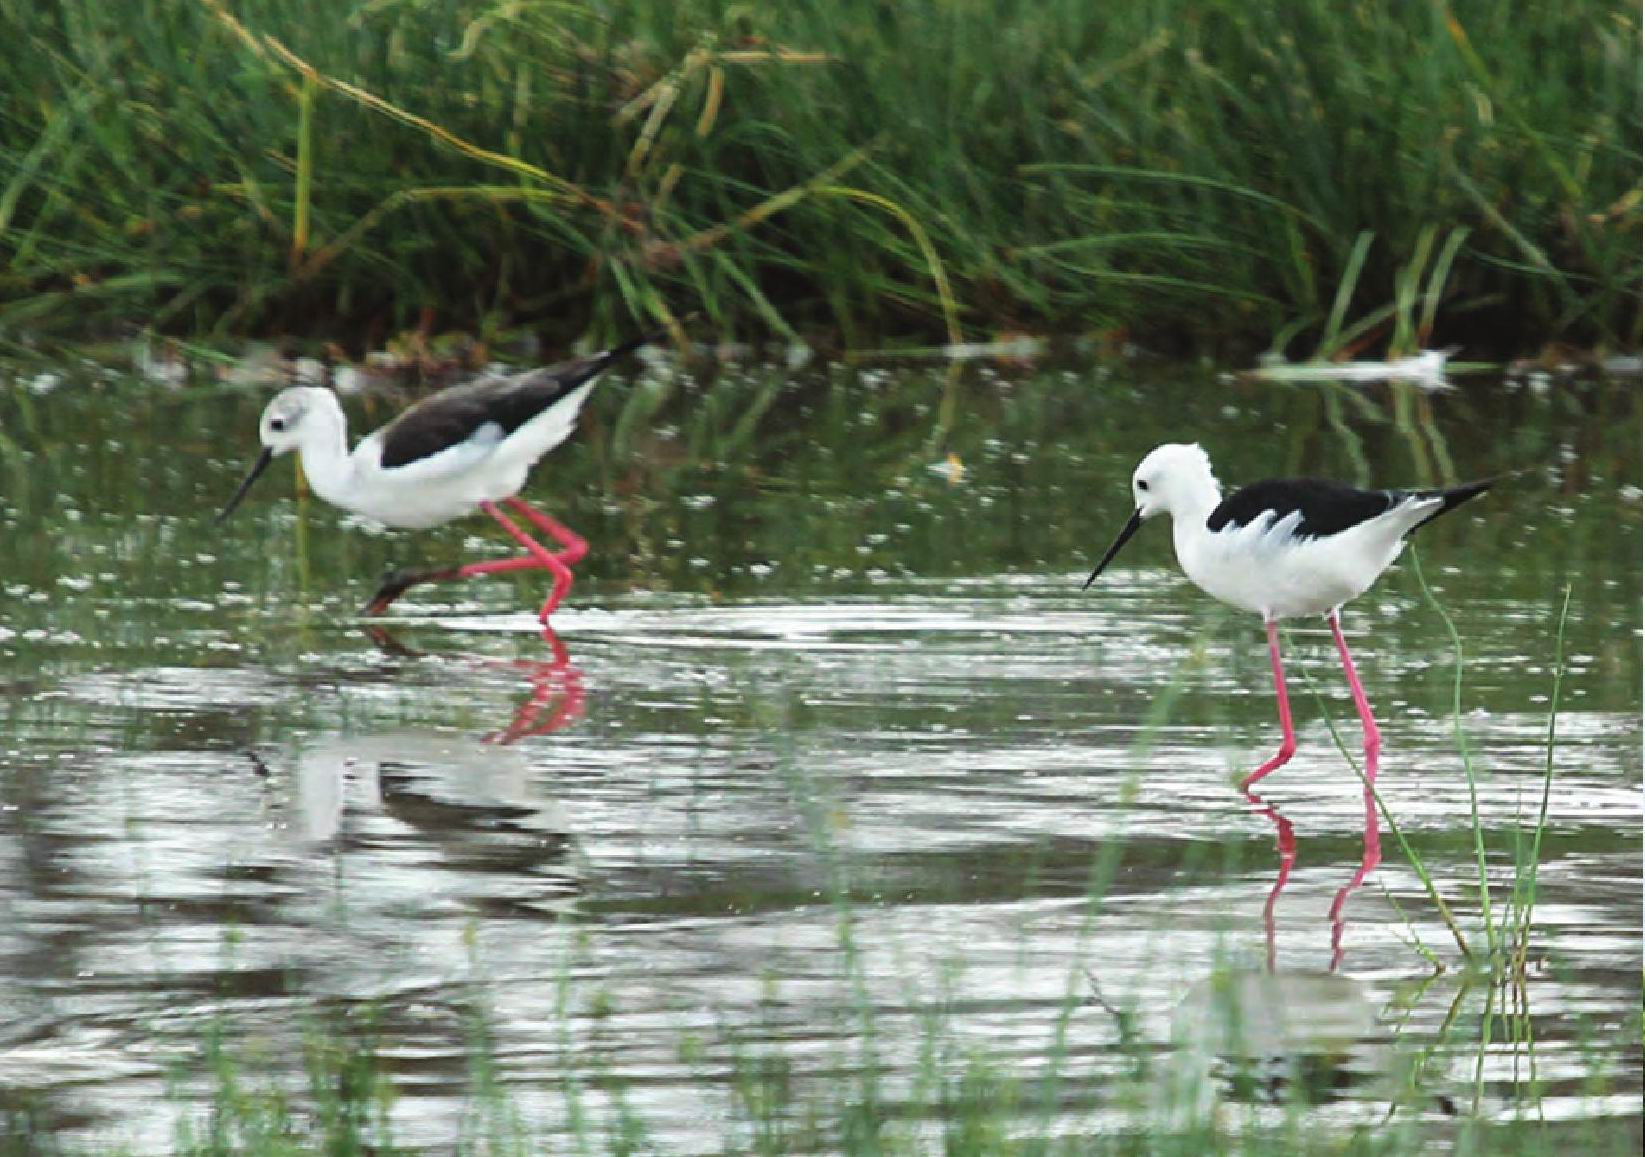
(432, 490)
(1264, 568)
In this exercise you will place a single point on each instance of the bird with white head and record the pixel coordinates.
(1282, 548)
(465, 448)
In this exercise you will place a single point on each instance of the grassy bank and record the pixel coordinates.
(1187, 174)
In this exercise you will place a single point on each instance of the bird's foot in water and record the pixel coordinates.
(397, 583)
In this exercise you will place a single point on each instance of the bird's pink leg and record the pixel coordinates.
(1368, 724)
(544, 558)
(576, 547)
(1288, 744)
(1372, 854)
(538, 558)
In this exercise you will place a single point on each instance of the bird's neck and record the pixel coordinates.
(1188, 530)
(324, 452)
(1194, 504)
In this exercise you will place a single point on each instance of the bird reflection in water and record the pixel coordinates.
(1285, 841)
(1272, 1034)
(557, 698)
(463, 815)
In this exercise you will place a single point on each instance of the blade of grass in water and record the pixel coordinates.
(1525, 893)
(1412, 857)
(1100, 880)
(1467, 756)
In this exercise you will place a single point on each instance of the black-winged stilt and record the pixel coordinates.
(464, 448)
(1282, 548)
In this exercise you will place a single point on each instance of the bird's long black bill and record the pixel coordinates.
(1125, 537)
(257, 468)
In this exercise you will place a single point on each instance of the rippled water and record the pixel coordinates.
(831, 776)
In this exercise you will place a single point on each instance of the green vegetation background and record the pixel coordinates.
(1191, 174)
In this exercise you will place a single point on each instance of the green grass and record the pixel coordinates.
(1190, 174)
(980, 1112)
(959, 1099)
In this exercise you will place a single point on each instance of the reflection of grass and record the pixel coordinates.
(958, 1098)
(1502, 930)
(968, 1108)
(1500, 942)
(1502, 964)
(803, 468)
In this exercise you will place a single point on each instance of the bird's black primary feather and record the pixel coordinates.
(1454, 496)
(1326, 507)
(450, 417)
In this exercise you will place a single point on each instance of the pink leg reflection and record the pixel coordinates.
(1285, 840)
(557, 698)
(1370, 857)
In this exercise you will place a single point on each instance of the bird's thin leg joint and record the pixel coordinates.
(539, 553)
(1288, 743)
(575, 545)
(540, 558)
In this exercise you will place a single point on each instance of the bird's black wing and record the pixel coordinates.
(1326, 507)
(451, 416)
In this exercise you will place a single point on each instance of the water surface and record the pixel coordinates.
(832, 782)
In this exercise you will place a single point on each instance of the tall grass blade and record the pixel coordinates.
(1485, 906)
(305, 171)
(1525, 892)
(1332, 339)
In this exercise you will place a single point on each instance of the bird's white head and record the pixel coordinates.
(297, 417)
(295, 414)
(1172, 479)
